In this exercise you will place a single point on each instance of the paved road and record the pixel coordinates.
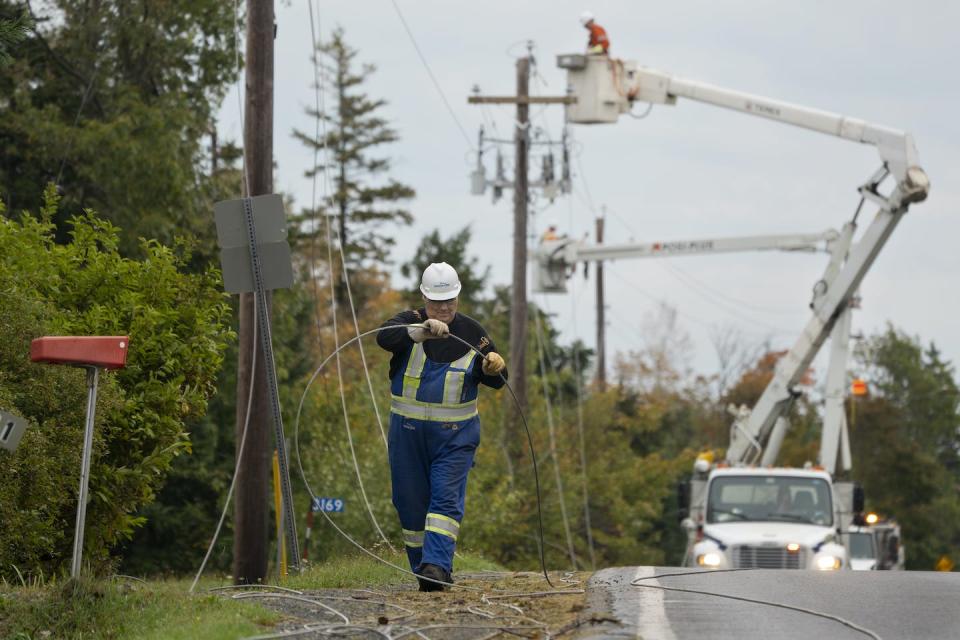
(911, 605)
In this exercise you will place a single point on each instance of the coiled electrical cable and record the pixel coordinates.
(523, 418)
(240, 450)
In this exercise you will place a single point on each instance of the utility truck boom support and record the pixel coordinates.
(768, 517)
(555, 258)
(605, 88)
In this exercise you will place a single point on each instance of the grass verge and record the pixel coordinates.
(121, 609)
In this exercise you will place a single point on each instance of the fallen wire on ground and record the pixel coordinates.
(641, 582)
(498, 606)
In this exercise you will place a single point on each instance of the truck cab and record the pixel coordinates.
(764, 518)
(875, 545)
(863, 549)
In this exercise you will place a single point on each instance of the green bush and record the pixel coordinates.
(178, 325)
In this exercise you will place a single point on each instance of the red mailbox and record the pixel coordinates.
(93, 353)
(106, 352)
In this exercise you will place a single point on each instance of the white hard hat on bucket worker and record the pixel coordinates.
(440, 282)
(586, 17)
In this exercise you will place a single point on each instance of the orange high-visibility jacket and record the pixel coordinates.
(598, 37)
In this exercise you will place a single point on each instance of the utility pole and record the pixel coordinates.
(518, 306)
(601, 316)
(518, 311)
(251, 517)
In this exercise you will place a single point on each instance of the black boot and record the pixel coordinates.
(433, 572)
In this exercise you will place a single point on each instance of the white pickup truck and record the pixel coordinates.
(875, 545)
(764, 518)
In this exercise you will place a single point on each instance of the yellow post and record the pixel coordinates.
(281, 543)
(944, 564)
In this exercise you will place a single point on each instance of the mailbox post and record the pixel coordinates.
(92, 353)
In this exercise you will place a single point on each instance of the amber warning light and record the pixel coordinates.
(858, 387)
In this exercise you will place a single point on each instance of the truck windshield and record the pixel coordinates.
(861, 545)
(770, 498)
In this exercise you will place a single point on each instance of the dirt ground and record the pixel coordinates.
(481, 606)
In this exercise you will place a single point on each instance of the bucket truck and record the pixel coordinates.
(741, 515)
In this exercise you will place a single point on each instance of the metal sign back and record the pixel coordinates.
(255, 257)
(272, 247)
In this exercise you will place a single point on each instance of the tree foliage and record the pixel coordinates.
(453, 251)
(13, 31)
(178, 328)
(905, 440)
(111, 100)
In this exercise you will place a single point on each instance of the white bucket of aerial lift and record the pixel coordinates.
(440, 282)
(606, 87)
(553, 265)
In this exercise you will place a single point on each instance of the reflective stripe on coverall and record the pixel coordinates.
(434, 433)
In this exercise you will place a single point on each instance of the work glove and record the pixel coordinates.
(493, 364)
(430, 329)
(436, 328)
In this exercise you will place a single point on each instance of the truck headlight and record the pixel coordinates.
(829, 563)
(710, 559)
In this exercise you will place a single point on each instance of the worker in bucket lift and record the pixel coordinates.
(599, 43)
(551, 234)
(434, 425)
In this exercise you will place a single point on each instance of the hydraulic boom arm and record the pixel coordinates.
(605, 88)
(556, 257)
(755, 428)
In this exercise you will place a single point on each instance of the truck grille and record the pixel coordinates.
(750, 557)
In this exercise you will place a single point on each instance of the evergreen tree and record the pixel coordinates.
(453, 251)
(363, 197)
(12, 32)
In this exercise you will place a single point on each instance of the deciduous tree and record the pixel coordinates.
(111, 100)
(178, 327)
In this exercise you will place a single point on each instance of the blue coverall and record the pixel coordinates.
(434, 433)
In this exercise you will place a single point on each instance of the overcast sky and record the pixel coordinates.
(687, 171)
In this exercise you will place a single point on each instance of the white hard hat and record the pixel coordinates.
(440, 282)
(551, 224)
(585, 17)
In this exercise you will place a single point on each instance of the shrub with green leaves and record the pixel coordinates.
(178, 325)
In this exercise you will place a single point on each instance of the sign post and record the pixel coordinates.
(92, 353)
(255, 256)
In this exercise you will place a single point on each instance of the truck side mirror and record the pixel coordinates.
(683, 499)
(858, 499)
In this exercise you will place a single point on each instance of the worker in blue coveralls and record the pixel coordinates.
(434, 425)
